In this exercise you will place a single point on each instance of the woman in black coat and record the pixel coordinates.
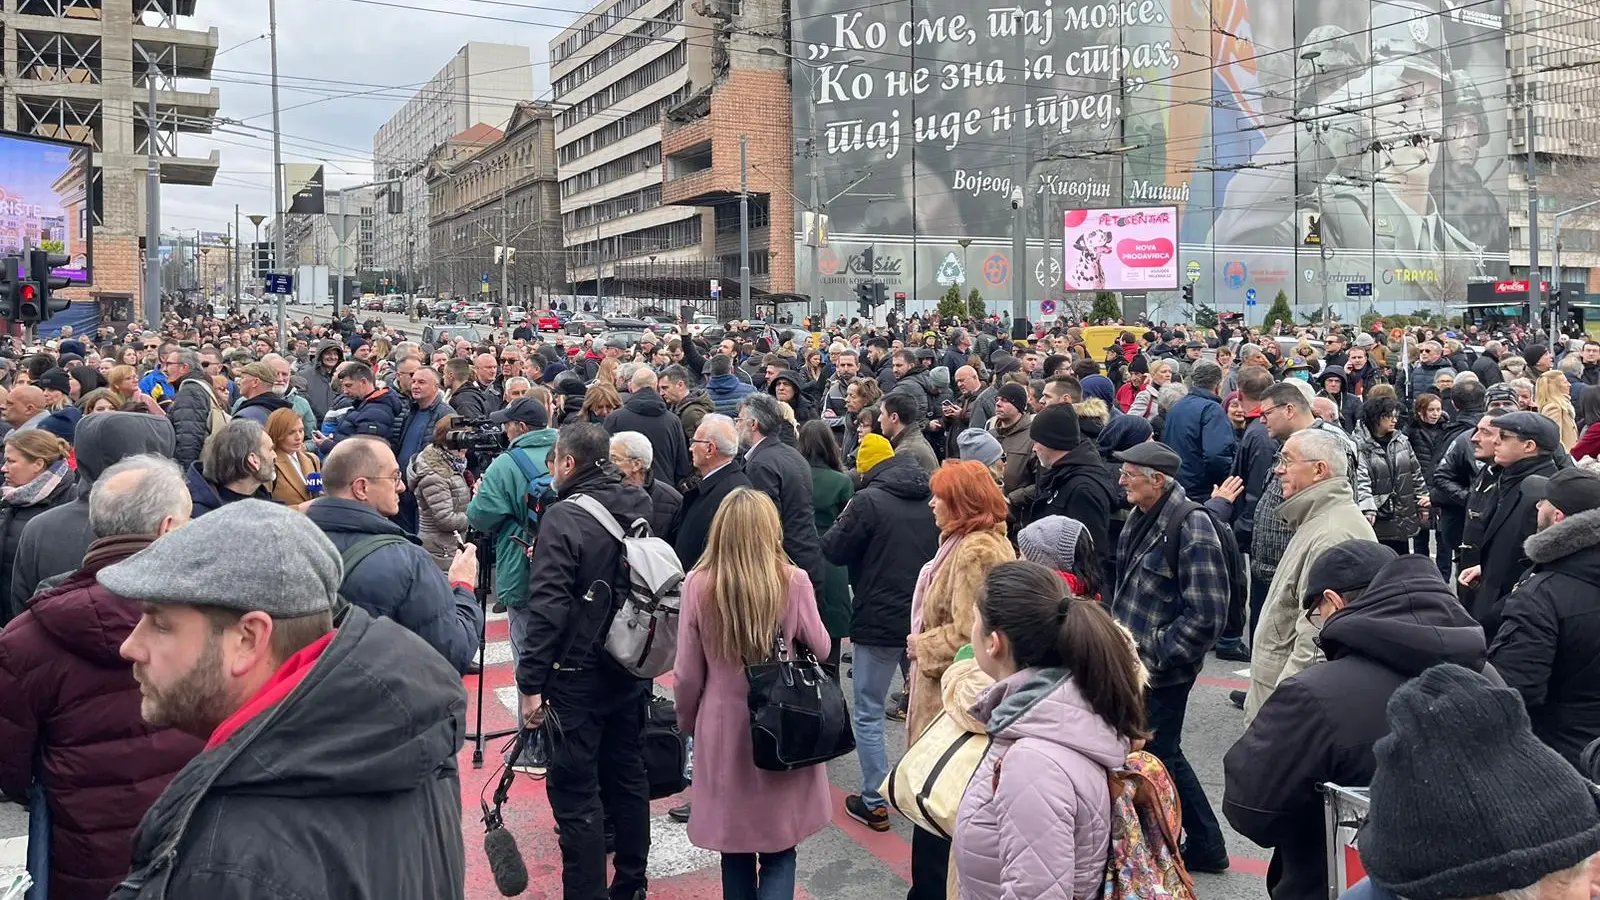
(1428, 432)
(37, 478)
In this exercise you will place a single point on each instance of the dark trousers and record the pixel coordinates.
(1166, 707)
(1451, 525)
(1401, 546)
(930, 865)
(1259, 582)
(1233, 626)
(594, 730)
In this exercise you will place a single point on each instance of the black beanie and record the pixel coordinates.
(1056, 427)
(1466, 802)
(1533, 354)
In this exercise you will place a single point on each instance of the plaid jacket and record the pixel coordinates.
(1175, 617)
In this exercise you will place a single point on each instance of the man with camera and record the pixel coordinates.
(565, 675)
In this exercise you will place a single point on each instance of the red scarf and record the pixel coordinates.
(288, 676)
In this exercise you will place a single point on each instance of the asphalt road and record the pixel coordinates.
(846, 861)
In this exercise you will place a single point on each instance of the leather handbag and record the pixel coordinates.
(798, 716)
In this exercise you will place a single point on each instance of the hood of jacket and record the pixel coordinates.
(1123, 433)
(645, 402)
(353, 517)
(104, 439)
(1408, 621)
(1023, 423)
(1045, 704)
(381, 395)
(376, 714)
(604, 483)
(316, 354)
(1101, 388)
(723, 384)
(83, 617)
(901, 476)
(428, 459)
(791, 377)
(921, 378)
(1083, 459)
(1559, 546)
(695, 400)
(268, 401)
(1317, 499)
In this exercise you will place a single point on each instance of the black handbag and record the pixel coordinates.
(798, 716)
(665, 752)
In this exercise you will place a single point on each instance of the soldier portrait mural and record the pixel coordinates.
(1307, 146)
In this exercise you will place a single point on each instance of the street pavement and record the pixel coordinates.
(846, 861)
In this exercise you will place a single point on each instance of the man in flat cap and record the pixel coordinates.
(1175, 605)
(1549, 634)
(1528, 443)
(329, 766)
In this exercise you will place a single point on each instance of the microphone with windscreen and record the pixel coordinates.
(499, 846)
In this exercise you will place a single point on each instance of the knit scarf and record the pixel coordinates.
(925, 578)
(39, 489)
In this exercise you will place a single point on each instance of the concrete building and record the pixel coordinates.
(654, 96)
(489, 188)
(310, 240)
(79, 70)
(481, 83)
(1554, 48)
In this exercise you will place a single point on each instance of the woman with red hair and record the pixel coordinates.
(970, 511)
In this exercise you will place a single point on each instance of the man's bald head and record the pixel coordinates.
(22, 404)
(642, 379)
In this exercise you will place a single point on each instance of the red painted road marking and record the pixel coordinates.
(497, 630)
(1235, 684)
(889, 848)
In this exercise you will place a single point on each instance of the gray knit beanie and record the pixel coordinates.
(1051, 541)
(1466, 802)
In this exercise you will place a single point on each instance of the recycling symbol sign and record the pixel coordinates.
(1047, 272)
(951, 271)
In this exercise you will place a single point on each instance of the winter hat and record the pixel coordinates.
(1014, 394)
(1124, 432)
(1152, 455)
(1534, 353)
(54, 380)
(875, 448)
(1347, 566)
(1501, 393)
(1004, 363)
(975, 443)
(1051, 541)
(1139, 365)
(1056, 427)
(1466, 802)
(259, 556)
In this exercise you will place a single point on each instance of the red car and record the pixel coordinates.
(547, 320)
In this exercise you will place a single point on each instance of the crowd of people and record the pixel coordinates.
(240, 586)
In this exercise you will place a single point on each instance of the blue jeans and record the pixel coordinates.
(875, 668)
(38, 860)
(776, 882)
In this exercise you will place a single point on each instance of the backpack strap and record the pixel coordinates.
(525, 462)
(600, 514)
(357, 553)
(1174, 532)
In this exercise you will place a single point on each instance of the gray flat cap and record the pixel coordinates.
(248, 556)
(1152, 455)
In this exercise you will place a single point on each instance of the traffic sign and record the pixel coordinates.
(1047, 307)
(1250, 302)
(1250, 296)
(1193, 270)
(486, 278)
(1358, 289)
(716, 289)
(280, 284)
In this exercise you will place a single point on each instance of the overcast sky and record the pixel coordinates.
(371, 57)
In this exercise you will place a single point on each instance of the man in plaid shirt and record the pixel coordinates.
(1175, 617)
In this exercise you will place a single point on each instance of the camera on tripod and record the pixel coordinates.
(476, 436)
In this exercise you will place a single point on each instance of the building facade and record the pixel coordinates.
(79, 70)
(489, 189)
(483, 82)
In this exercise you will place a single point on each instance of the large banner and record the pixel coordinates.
(1312, 148)
(45, 201)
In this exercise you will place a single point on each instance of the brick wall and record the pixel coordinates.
(117, 268)
(755, 103)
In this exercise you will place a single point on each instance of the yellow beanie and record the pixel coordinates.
(874, 449)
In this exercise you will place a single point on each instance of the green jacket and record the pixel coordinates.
(830, 491)
(499, 508)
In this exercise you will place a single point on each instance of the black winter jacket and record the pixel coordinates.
(645, 412)
(402, 582)
(473, 402)
(381, 414)
(1396, 483)
(665, 502)
(1548, 645)
(700, 504)
(13, 519)
(1252, 462)
(1082, 486)
(777, 468)
(1500, 551)
(1427, 444)
(346, 788)
(191, 416)
(573, 553)
(1320, 724)
(884, 536)
(320, 389)
(1456, 467)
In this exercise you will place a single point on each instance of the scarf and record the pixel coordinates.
(925, 578)
(40, 488)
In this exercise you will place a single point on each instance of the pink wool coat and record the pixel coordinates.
(737, 807)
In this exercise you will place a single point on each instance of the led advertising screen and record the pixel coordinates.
(1121, 249)
(44, 200)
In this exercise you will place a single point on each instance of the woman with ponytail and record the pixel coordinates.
(1066, 706)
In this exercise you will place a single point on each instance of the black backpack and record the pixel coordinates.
(1237, 587)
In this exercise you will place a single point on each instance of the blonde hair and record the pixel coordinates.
(745, 578)
(1552, 389)
(39, 445)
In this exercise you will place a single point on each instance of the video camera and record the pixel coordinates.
(476, 436)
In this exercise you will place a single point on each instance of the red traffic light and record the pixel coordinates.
(29, 292)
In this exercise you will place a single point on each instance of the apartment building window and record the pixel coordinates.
(627, 126)
(727, 215)
(671, 236)
(606, 210)
(595, 27)
(760, 264)
(637, 161)
(625, 87)
(643, 36)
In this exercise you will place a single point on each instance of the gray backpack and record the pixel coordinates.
(643, 635)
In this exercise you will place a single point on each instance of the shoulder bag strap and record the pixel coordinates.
(525, 463)
(602, 515)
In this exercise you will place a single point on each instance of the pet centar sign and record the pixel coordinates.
(1133, 249)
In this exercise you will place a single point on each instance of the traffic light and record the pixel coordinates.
(864, 298)
(1559, 303)
(41, 266)
(10, 287)
(880, 294)
(27, 302)
(867, 261)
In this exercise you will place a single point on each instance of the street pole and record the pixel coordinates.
(1533, 210)
(744, 228)
(340, 235)
(238, 238)
(505, 252)
(279, 252)
(1019, 175)
(816, 197)
(152, 212)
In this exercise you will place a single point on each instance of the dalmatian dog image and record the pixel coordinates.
(1091, 245)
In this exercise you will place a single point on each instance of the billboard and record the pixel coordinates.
(1305, 145)
(44, 200)
(1121, 249)
(304, 185)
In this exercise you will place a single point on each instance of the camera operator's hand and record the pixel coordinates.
(532, 710)
(464, 568)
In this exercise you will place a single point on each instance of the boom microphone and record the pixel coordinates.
(499, 846)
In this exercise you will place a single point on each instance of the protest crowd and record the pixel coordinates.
(245, 579)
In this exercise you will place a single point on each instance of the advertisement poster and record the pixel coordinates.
(1121, 249)
(947, 128)
(44, 201)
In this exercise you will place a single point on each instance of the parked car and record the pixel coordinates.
(375, 304)
(584, 323)
(478, 312)
(624, 323)
(395, 304)
(546, 320)
(699, 324)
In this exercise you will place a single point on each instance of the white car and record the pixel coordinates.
(701, 323)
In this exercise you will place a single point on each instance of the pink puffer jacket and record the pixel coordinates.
(1043, 832)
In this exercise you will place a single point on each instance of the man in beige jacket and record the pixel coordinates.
(1320, 507)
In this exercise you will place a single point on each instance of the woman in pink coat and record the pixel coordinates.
(1035, 820)
(735, 601)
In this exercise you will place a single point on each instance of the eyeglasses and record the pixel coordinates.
(395, 477)
(1269, 410)
(698, 441)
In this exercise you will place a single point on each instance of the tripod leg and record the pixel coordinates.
(477, 731)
